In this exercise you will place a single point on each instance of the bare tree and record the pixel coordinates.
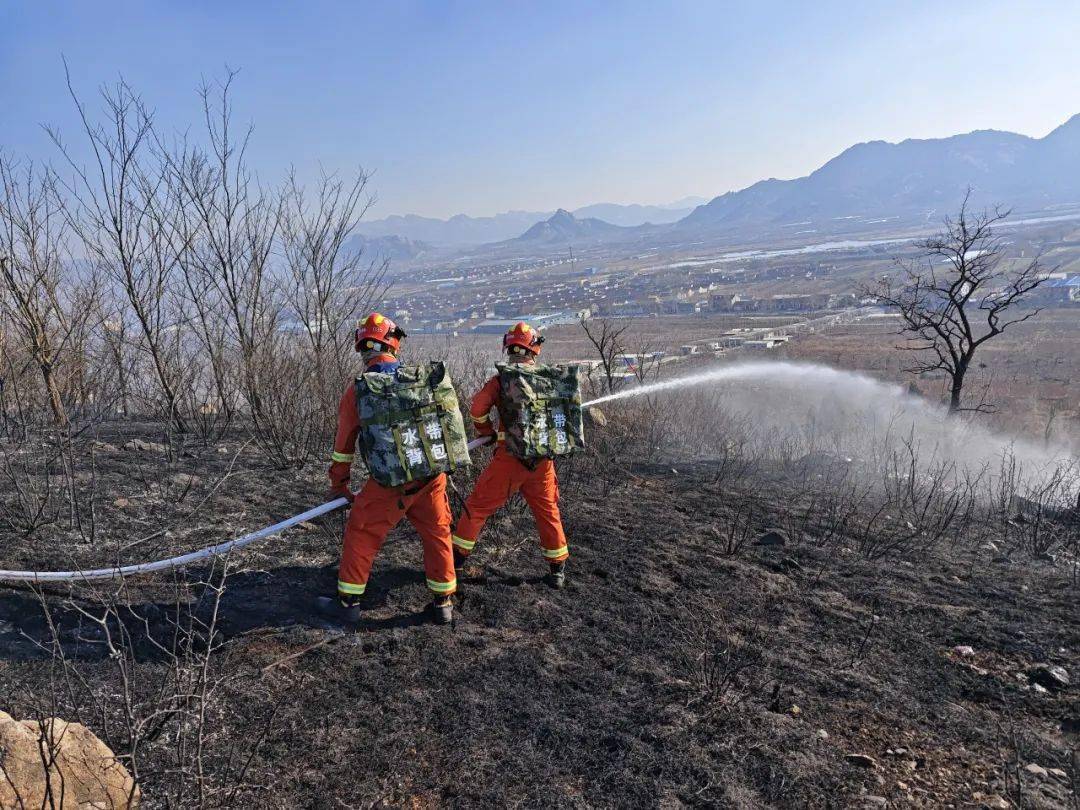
(46, 303)
(606, 337)
(329, 284)
(238, 224)
(958, 295)
(122, 210)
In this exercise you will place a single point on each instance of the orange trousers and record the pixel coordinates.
(504, 476)
(378, 509)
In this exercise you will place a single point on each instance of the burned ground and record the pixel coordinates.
(683, 664)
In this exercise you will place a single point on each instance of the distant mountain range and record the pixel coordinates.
(912, 182)
(461, 230)
(915, 179)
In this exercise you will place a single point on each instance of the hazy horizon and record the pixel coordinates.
(481, 109)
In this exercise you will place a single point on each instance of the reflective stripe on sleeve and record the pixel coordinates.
(348, 457)
(482, 419)
(352, 590)
(461, 542)
(442, 587)
(555, 553)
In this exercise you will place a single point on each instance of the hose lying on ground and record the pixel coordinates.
(185, 559)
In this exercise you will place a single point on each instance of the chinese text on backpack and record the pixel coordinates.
(411, 425)
(540, 410)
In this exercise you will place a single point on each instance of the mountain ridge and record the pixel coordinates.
(909, 178)
(461, 229)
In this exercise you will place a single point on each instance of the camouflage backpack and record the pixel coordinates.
(411, 426)
(540, 410)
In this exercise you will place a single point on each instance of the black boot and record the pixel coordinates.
(459, 558)
(556, 577)
(442, 609)
(334, 608)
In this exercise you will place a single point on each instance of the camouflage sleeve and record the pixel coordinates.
(345, 442)
(486, 399)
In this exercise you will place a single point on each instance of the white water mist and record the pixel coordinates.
(853, 414)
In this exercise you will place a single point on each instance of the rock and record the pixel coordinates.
(1047, 557)
(995, 802)
(595, 417)
(1051, 676)
(83, 764)
(896, 752)
(186, 480)
(1036, 770)
(772, 537)
(964, 650)
(1058, 772)
(861, 760)
(140, 446)
(794, 710)
(989, 547)
(822, 734)
(103, 447)
(121, 503)
(1039, 689)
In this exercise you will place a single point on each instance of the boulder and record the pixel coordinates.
(1050, 676)
(83, 765)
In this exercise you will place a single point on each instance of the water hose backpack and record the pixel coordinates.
(411, 425)
(540, 410)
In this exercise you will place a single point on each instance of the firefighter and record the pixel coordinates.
(509, 473)
(377, 508)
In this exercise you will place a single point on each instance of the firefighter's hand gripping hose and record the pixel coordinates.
(184, 559)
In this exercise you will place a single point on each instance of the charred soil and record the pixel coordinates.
(683, 664)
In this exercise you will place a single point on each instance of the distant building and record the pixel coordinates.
(1060, 291)
(761, 345)
(500, 326)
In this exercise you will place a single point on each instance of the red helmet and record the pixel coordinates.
(378, 329)
(523, 335)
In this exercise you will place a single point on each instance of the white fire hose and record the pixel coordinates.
(185, 559)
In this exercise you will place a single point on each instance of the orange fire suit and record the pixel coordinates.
(377, 509)
(504, 476)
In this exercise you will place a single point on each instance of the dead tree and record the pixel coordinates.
(122, 212)
(957, 296)
(328, 284)
(237, 228)
(40, 297)
(606, 337)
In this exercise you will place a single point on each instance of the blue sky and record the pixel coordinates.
(479, 107)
